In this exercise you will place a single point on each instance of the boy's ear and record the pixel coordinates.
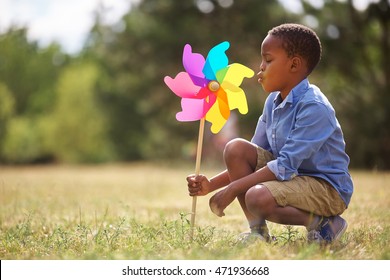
(296, 63)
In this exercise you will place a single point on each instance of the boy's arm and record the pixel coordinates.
(220, 180)
(245, 183)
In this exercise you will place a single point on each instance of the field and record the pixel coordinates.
(140, 211)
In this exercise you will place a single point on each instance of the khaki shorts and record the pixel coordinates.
(307, 193)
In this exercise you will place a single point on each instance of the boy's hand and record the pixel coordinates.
(198, 185)
(220, 201)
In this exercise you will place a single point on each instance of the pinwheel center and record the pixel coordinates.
(213, 86)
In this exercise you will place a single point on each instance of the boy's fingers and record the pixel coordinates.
(193, 193)
(193, 178)
(193, 188)
(198, 178)
(193, 185)
(190, 178)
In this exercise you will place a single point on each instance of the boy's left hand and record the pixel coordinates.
(219, 201)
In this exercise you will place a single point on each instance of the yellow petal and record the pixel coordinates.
(237, 100)
(235, 73)
(215, 117)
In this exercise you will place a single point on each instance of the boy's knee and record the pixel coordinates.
(257, 200)
(235, 148)
(252, 197)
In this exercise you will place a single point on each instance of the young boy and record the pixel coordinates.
(295, 169)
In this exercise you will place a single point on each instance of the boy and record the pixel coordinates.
(295, 169)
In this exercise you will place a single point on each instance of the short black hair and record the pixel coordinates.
(299, 40)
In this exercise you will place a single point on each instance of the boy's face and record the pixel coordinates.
(275, 67)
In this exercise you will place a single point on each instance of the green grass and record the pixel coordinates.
(140, 211)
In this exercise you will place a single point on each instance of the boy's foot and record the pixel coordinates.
(329, 230)
(250, 237)
(257, 233)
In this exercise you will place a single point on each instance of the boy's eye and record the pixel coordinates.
(267, 59)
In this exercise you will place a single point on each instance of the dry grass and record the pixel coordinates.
(139, 211)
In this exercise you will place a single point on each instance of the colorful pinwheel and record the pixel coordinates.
(210, 87)
(209, 90)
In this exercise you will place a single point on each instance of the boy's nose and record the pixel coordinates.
(261, 67)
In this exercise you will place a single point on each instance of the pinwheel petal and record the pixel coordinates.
(223, 103)
(234, 74)
(182, 85)
(237, 100)
(204, 93)
(194, 109)
(215, 117)
(232, 78)
(193, 63)
(216, 60)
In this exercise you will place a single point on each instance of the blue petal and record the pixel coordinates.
(216, 60)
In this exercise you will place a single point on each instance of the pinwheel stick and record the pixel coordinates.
(197, 171)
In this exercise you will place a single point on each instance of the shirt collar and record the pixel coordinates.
(295, 94)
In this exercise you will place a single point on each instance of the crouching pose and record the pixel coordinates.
(294, 171)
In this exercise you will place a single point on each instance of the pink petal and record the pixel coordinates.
(193, 110)
(182, 85)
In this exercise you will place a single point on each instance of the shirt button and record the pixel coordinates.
(273, 136)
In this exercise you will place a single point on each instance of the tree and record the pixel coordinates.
(75, 131)
(7, 104)
(29, 72)
(27, 78)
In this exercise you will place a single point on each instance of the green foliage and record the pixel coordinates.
(7, 103)
(23, 141)
(29, 72)
(76, 127)
(122, 110)
(123, 238)
(27, 78)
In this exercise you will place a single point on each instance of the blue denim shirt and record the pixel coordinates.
(303, 134)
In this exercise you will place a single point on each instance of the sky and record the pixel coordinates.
(68, 22)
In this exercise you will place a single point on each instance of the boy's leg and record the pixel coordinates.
(241, 160)
(292, 202)
(261, 203)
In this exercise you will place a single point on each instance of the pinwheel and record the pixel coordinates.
(209, 89)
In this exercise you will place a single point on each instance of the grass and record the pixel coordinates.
(140, 211)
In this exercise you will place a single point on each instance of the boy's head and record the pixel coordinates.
(299, 40)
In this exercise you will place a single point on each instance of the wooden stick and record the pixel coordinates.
(197, 171)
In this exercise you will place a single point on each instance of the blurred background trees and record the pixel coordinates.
(109, 102)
